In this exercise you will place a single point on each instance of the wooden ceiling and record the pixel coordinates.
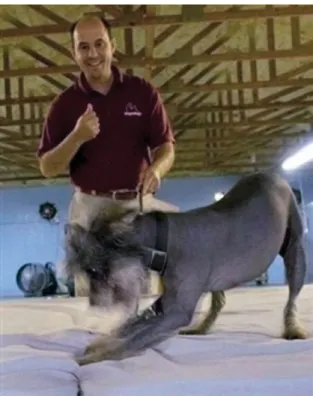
(237, 81)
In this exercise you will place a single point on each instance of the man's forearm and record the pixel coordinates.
(56, 161)
(163, 158)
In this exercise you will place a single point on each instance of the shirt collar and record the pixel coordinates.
(83, 84)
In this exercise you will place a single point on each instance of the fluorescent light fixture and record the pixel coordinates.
(218, 196)
(302, 157)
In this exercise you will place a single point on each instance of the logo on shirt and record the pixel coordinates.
(131, 110)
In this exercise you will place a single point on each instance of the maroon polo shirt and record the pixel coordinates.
(132, 119)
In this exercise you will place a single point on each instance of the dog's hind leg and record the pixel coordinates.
(295, 264)
(293, 253)
(217, 303)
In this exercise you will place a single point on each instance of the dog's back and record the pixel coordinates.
(240, 234)
(258, 186)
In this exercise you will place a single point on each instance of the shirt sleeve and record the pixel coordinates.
(55, 128)
(160, 130)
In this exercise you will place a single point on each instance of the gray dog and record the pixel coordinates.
(210, 249)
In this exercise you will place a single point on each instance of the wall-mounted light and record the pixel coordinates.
(303, 156)
(218, 196)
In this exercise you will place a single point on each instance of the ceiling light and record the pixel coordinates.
(301, 157)
(218, 196)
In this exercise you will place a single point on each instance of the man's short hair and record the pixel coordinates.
(101, 18)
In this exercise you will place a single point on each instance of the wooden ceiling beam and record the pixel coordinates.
(237, 150)
(47, 13)
(179, 109)
(178, 87)
(188, 152)
(41, 38)
(253, 63)
(245, 106)
(265, 129)
(292, 114)
(238, 136)
(150, 10)
(242, 162)
(197, 126)
(270, 28)
(192, 142)
(180, 149)
(21, 94)
(28, 177)
(14, 161)
(295, 32)
(247, 123)
(211, 49)
(187, 48)
(7, 81)
(264, 146)
(276, 95)
(114, 10)
(47, 62)
(205, 162)
(210, 166)
(128, 39)
(140, 61)
(173, 87)
(143, 20)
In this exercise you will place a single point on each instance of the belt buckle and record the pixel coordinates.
(130, 193)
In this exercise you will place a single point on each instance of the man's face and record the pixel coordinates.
(93, 50)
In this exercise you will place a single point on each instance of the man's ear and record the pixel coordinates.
(113, 45)
(72, 50)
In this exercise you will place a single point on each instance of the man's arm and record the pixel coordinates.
(56, 161)
(163, 158)
(161, 142)
(160, 136)
(58, 147)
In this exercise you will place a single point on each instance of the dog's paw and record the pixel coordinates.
(104, 348)
(87, 359)
(196, 331)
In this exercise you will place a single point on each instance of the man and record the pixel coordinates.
(110, 129)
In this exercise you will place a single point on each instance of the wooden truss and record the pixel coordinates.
(237, 81)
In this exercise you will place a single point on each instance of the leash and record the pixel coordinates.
(140, 200)
(158, 260)
(159, 252)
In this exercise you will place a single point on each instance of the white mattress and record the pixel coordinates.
(244, 354)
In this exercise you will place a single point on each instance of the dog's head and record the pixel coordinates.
(109, 258)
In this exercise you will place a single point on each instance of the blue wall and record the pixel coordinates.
(25, 237)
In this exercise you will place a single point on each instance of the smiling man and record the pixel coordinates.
(110, 129)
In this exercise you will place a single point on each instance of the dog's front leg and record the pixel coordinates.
(142, 334)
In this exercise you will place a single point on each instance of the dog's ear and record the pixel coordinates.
(129, 216)
(123, 223)
(114, 220)
(72, 229)
(76, 235)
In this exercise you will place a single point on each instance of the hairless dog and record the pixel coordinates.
(209, 250)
